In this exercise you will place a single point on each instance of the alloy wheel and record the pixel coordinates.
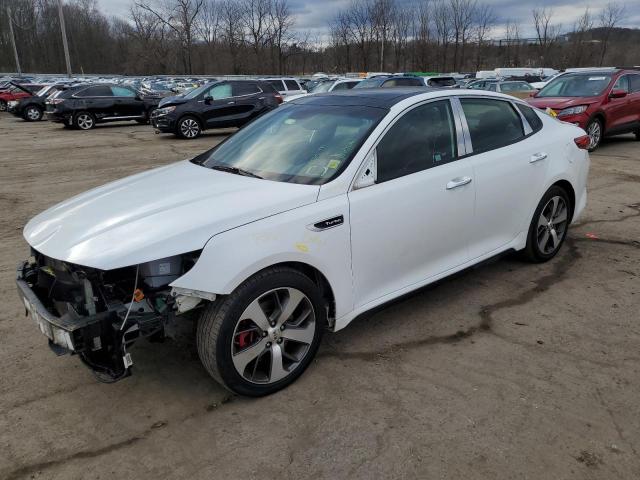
(273, 335)
(552, 225)
(595, 133)
(189, 128)
(33, 113)
(85, 122)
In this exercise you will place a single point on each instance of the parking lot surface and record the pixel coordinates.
(510, 370)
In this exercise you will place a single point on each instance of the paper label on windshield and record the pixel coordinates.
(597, 78)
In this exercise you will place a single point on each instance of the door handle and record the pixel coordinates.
(230, 103)
(458, 182)
(536, 157)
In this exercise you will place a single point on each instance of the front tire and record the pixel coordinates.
(549, 225)
(3, 106)
(595, 132)
(189, 128)
(261, 338)
(84, 121)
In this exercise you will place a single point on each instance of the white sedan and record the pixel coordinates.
(311, 215)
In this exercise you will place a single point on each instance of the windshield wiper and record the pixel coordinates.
(235, 170)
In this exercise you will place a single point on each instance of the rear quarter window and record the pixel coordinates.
(532, 117)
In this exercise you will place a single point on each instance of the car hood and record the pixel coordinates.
(173, 100)
(559, 103)
(156, 214)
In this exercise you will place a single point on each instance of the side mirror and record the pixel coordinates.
(208, 99)
(618, 93)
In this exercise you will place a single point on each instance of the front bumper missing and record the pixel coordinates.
(97, 339)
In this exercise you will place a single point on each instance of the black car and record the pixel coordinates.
(32, 108)
(388, 81)
(85, 106)
(215, 105)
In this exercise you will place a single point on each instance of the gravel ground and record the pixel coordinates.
(509, 370)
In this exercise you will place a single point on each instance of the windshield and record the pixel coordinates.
(576, 85)
(197, 91)
(370, 83)
(321, 87)
(305, 143)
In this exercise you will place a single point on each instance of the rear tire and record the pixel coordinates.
(84, 121)
(549, 225)
(3, 106)
(595, 131)
(246, 343)
(33, 114)
(637, 132)
(188, 127)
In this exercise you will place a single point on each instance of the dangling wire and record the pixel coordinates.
(133, 297)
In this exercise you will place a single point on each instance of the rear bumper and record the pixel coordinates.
(58, 117)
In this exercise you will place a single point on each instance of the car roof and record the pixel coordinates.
(375, 97)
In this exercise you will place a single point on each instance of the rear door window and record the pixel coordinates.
(122, 92)
(245, 88)
(96, 91)
(292, 85)
(278, 85)
(492, 123)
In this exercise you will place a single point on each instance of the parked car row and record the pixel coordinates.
(602, 101)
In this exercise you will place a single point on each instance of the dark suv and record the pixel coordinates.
(85, 106)
(215, 105)
(32, 108)
(603, 102)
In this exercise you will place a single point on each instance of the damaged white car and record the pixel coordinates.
(309, 216)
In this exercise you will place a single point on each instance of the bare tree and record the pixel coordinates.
(609, 18)
(180, 16)
(382, 14)
(443, 25)
(400, 31)
(581, 29)
(281, 23)
(256, 22)
(462, 14)
(484, 20)
(360, 29)
(422, 33)
(232, 31)
(546, 32)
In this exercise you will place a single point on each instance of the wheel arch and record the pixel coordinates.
(194, 115)
(599, 115)
(316, 277)
(567, 187)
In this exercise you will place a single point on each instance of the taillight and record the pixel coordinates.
(583, 142)
(279, 99)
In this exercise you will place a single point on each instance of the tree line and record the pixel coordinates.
(260, 37)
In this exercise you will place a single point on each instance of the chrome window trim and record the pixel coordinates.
(528, 131)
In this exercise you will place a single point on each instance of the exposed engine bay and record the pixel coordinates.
(99, 314)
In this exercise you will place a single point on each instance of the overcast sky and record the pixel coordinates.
(314, 15)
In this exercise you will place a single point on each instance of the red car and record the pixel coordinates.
(16, 92)
(602, 102)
